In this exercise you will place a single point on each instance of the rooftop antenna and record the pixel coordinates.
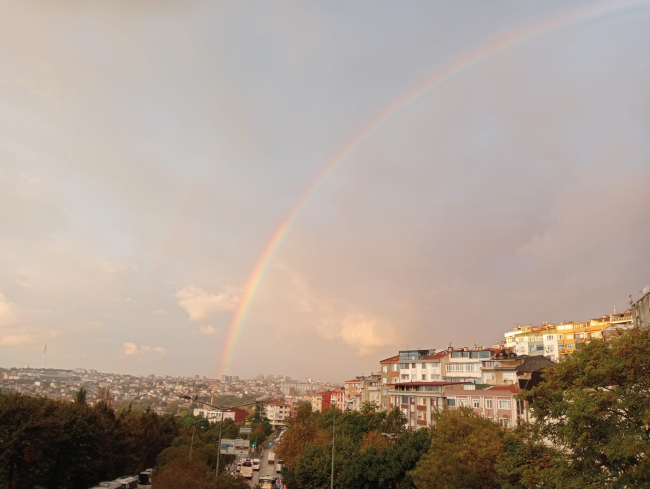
(43, 362)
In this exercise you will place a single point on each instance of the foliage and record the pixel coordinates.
(182, 472)
(364, 458)
(80, 396)
(58, 444)
(462, 454)
(595, 407)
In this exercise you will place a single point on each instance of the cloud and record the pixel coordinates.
(367, 334)
(160, 312)
(206, 329)
(8, 311)
(131, 349)
(200, 304)
(15, 340)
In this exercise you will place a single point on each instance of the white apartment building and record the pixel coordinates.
(277, 412)
(464, 364)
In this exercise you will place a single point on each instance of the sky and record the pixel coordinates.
(149, 150)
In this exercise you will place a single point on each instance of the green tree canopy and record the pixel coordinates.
(463, 452)
(595, 407)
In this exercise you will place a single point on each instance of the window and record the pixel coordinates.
(384, 369)
(412, 365)
(570, 346)
(424, 365)
(550, 348)
(405, 376)
(569, 337)
(394, 367)
(403, 365)
(560, 337)
(490, 364)
(424, 376)
(435, 376)
(451, 402)
(549, 337)
(504, 404)
(462, 402)
(488, 404)
(476, 403)
(459, 354)
(405, 399)
(414, 377)
(384, 380)
(435, 364)
(505, 422)
(580, 336)
(509, 376)
(488, 376)
(560, 346)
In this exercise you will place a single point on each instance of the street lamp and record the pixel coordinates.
(221, 410)
(333, 427)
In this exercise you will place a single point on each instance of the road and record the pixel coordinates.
(265, 467)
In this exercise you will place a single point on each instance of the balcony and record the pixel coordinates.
(421, 408)
(422, 422)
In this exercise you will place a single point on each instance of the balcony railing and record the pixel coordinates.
(421, 408)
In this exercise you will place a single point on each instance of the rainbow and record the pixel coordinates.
(458, 66)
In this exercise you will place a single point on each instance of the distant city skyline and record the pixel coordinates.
(154, 163)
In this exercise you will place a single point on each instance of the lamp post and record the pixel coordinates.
(221, 410)
(333, 428)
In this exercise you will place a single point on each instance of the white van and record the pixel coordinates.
(278, 466)
(247, 469)
(271, 457)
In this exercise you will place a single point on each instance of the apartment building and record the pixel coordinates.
(498, 403)
(641, 310)
(277, 412)
(505, 367)
(465, 364)
(323, 400)
(389, 372)
(352, 390)
(419, 400)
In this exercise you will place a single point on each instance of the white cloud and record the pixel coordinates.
(206, 329)
(160, 312)
(15, 340)
(130, 348)
(200, 304)
(8, 311)
(367, 334)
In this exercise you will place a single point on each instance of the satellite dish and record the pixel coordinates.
(646, 290)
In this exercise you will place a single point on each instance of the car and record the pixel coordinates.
(238, 467)
(271, 457)
(256, 464)
(278, 466)
(267, 482)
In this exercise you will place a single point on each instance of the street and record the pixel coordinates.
(265, 467)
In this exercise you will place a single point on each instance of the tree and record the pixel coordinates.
(463, 452)
(395, 422)
(526, 461)
(182, 472)
(226, 481)
(595, 406)
(80, 396)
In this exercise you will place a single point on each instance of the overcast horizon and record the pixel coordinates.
(150, 150)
